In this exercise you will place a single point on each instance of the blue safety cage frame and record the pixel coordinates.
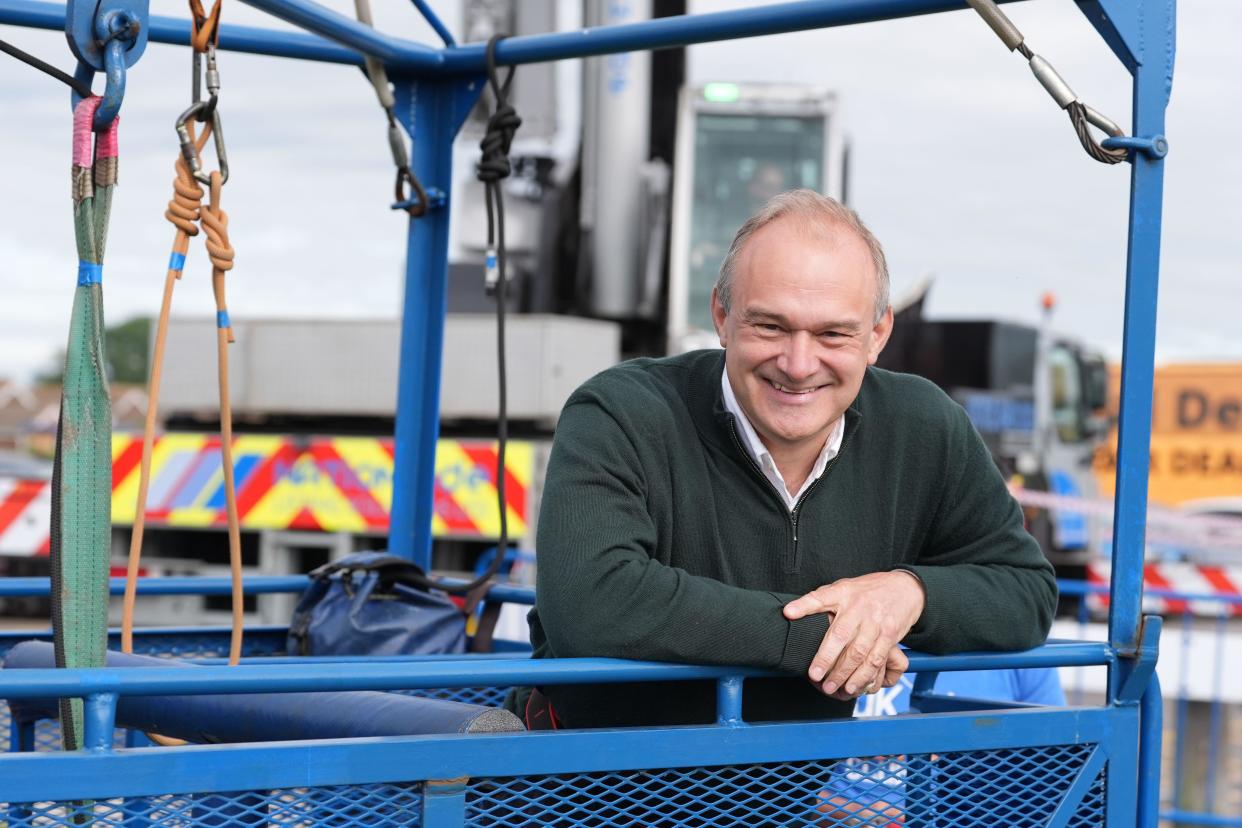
(958, 763)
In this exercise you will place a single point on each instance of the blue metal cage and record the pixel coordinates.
(978, 765)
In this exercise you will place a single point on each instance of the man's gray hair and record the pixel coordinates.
(814, 209)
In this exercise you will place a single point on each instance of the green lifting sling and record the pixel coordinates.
(82, 474)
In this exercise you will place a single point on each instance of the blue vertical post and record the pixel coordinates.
(431, 112)
(444, 803)
(1141, 34)
(1152, 724)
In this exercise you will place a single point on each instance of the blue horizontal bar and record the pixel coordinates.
(660, 33)
(357, 659)
(1084, 588)
(1194, 818)
(221, 632)
(294, 677)
(684, 30)
(61, 776)
(255, 585)
(41, 15)
(347, 31)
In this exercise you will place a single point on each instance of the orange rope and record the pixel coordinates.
(216, 225)
(187, 213)
(204, 27)
(183, 212)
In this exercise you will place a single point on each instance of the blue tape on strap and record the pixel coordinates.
(176, 261)
(89, 273)
(222, 319)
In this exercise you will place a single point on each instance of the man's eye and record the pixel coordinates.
(767, 327)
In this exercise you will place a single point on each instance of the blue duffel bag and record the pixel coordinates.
(372, 603)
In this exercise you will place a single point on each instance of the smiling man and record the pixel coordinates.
(780, 504)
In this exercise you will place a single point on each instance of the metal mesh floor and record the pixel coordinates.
(216, 645)
(337, 806)
(1016, 788)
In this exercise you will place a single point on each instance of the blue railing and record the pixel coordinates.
(1195, 692)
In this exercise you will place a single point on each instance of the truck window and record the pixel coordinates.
(740, 162)
(1065, 380)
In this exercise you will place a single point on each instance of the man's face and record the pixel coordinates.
(801, 330)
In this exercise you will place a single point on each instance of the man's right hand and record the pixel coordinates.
(870, 615)
(895, 667)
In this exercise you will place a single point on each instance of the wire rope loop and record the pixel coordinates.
(410, 194)
(1081, 118)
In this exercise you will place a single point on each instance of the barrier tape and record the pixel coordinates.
(1164, 525)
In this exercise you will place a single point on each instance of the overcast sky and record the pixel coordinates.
(962, 165)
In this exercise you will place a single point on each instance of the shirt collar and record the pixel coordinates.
(760, 454)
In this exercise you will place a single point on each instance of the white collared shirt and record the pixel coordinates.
(760, 454)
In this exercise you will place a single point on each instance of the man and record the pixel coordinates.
(723, 507)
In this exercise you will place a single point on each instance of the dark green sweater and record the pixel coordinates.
(660, 539)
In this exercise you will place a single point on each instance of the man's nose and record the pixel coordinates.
(798, 361)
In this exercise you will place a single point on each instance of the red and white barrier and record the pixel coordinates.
(1188, 578)
(25, 517)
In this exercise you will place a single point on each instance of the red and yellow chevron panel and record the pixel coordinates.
(328, 484)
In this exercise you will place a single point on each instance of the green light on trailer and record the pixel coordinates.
(721, 92)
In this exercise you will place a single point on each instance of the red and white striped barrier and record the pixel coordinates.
(1187, 578)
(25, 517)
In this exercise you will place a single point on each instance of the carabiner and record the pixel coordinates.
(202, 111)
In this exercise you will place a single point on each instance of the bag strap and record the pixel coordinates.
(485, 632)
(395, 570)
(390, 567)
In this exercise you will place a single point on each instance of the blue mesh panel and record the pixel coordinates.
(206, 645)
(171, 645)
(1017, 788)
(337, 806)
(47, 733)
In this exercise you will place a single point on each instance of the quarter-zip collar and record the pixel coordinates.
(758, 452)
(714, 421)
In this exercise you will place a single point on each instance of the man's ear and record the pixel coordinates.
(880, 334)
(718, 319)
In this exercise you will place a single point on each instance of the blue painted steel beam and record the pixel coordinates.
(42, 15)
(431, 113)
(254, 585)
(685, 30)
(296, 677)
(1152, 83)
(1151, 724)
(349, 32)
(667, 32)
(143, 772)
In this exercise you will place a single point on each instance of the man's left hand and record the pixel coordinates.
(871, 614)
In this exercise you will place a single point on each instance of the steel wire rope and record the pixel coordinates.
(1081, 116)
(83, 89)
(413, 201)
